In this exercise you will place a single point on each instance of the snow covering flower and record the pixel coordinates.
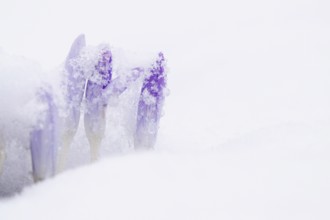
(100, 79)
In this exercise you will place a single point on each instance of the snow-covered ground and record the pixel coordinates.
(276, 173)
(245, 133)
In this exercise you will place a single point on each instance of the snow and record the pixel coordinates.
(245, 127)
(236, 182)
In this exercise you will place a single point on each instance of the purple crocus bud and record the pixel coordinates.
(94, 117)
(44, 137)
(150, 104)
(74, 84)
(155, 81)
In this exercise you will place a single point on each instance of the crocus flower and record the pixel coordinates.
(150, 104)
(44, 137)
(74, 83)
(94, 117)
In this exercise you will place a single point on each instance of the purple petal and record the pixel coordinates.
(44, 138)
(96, 87)
(101, 78)
(150, 104)
(75, 83)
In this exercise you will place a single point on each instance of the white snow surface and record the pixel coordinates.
(245, 131)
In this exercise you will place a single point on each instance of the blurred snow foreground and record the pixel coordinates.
(45, 112)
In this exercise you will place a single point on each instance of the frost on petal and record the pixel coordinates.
(121, 83)
(74, 83)
(99, 79)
